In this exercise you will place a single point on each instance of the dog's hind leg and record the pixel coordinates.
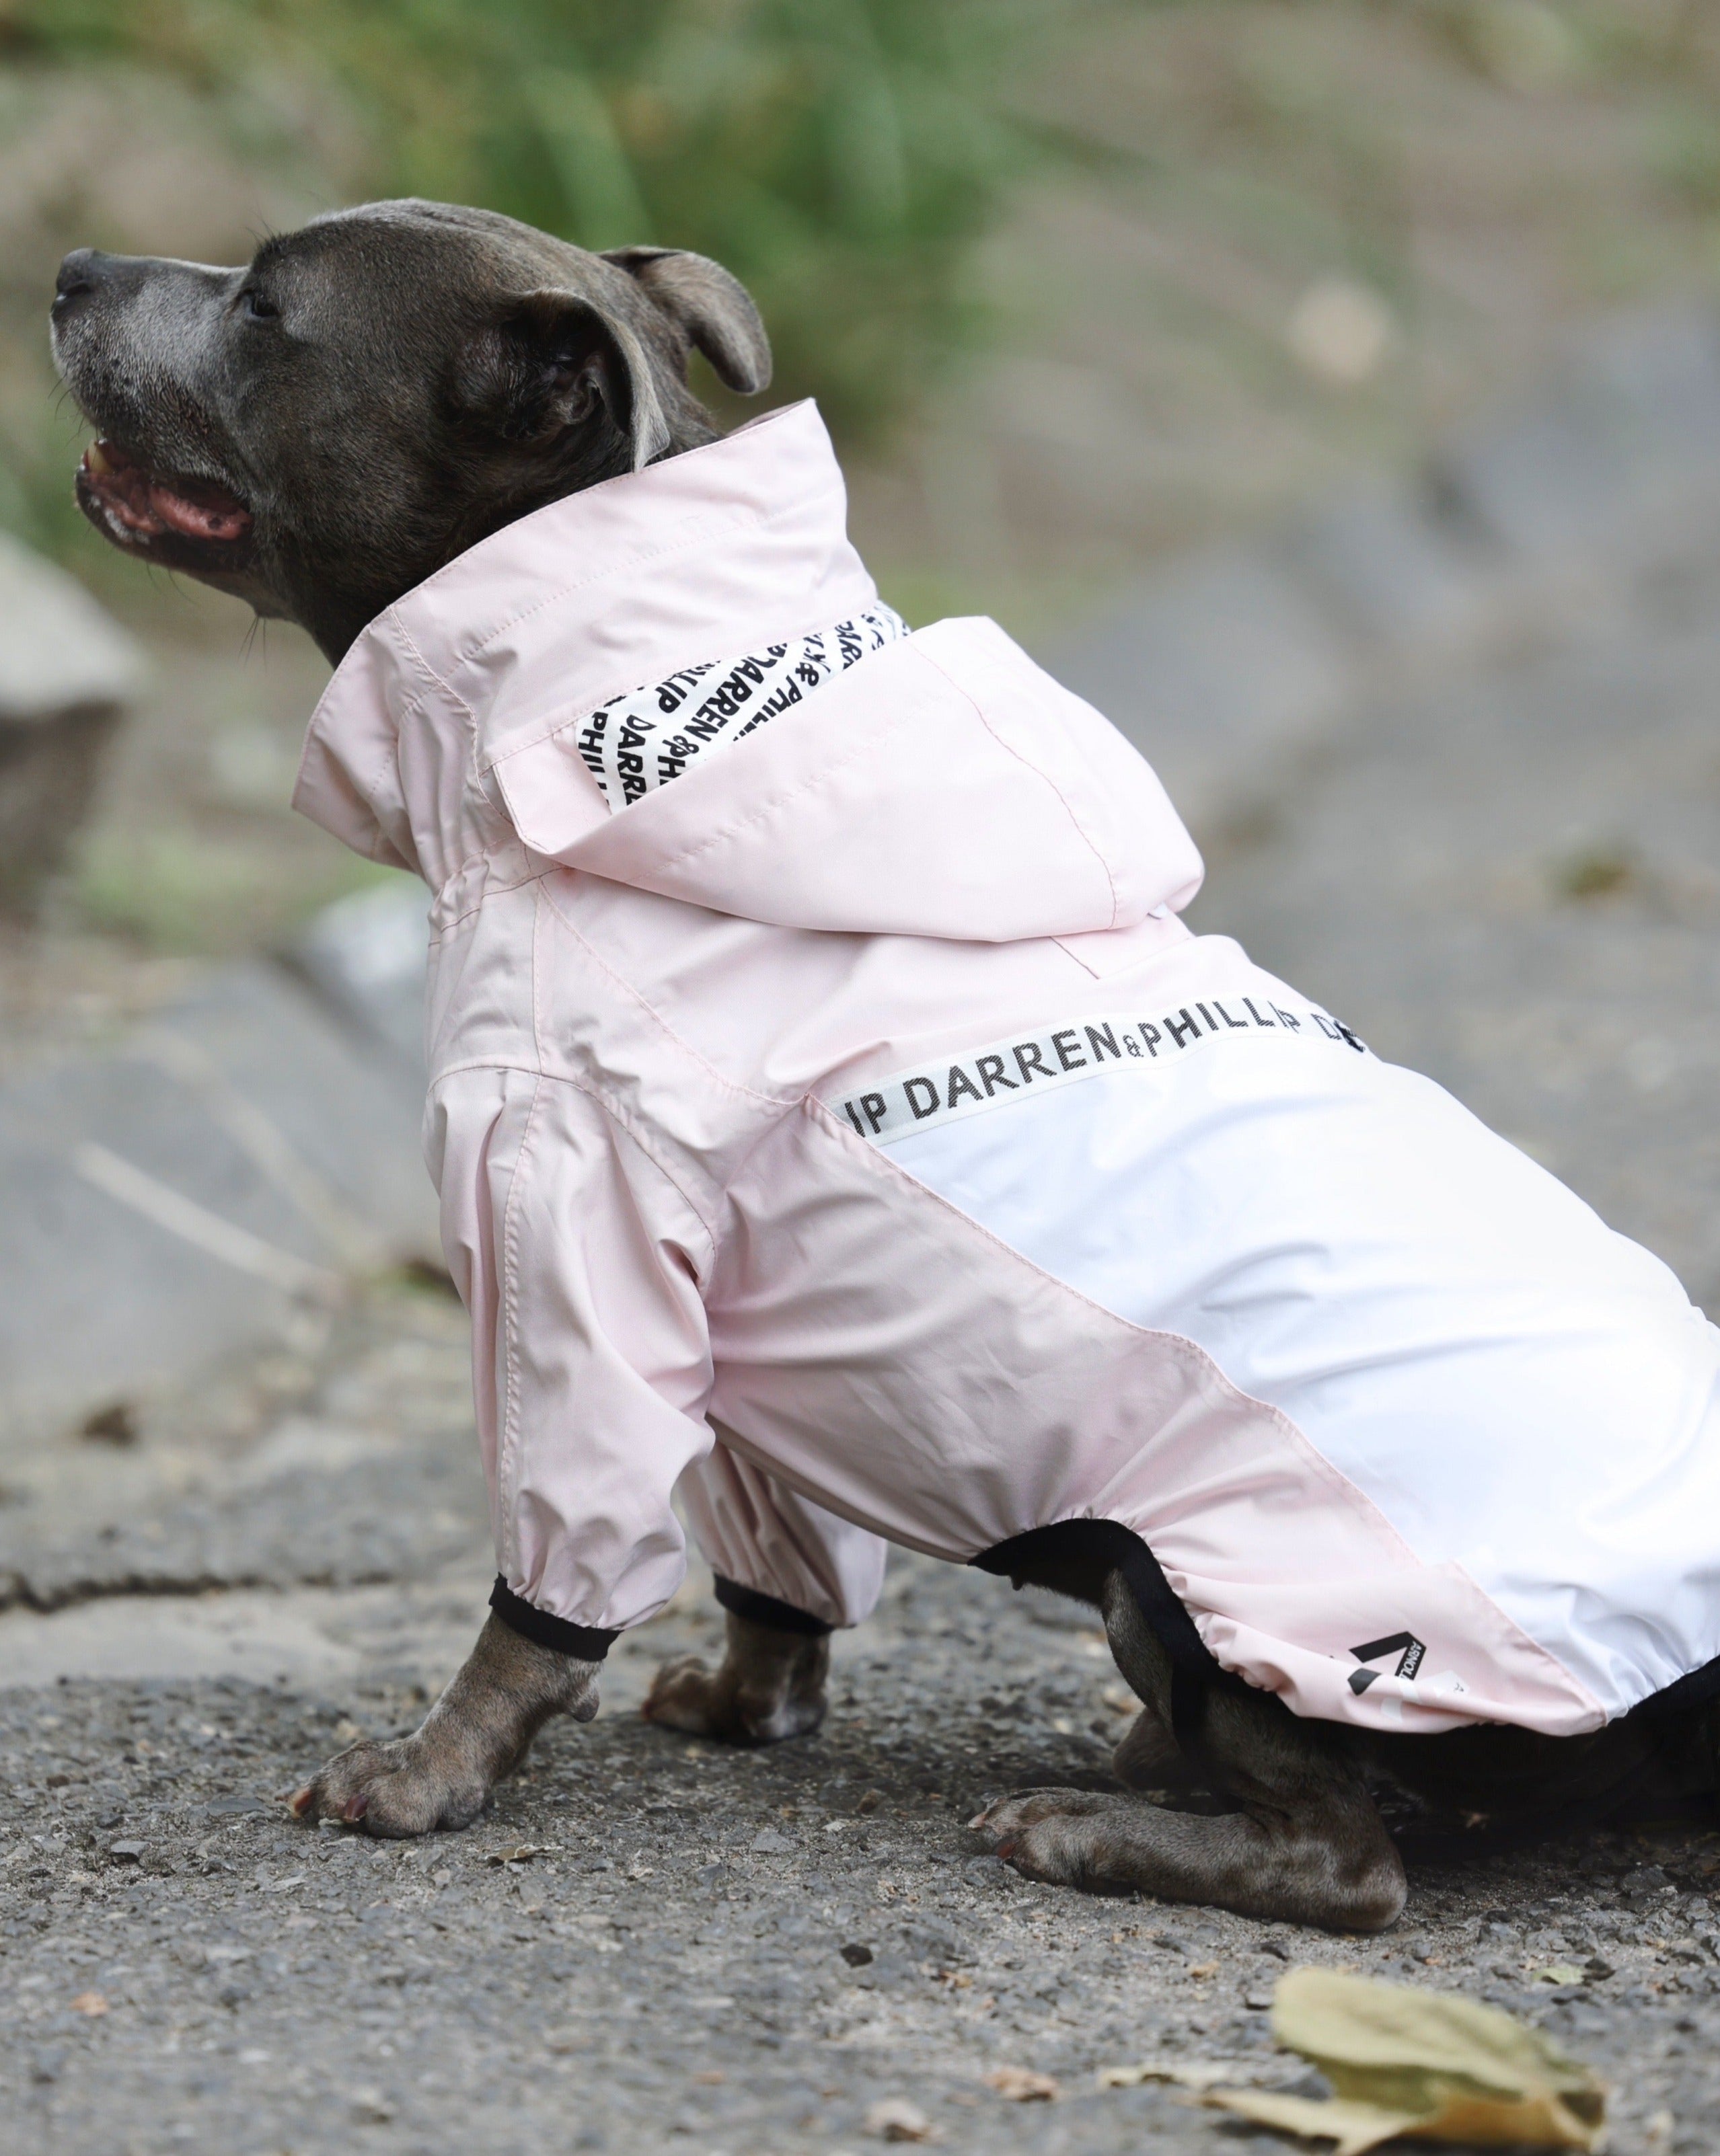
(769, 1685)
(1150, 1757)
(1305, 1843)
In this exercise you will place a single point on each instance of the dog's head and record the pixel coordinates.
(318, 430)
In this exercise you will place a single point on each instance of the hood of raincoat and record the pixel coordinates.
(944, 786)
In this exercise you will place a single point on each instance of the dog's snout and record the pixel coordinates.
(80, 273)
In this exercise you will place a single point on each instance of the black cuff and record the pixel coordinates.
(765, 1609)
(589, 1643)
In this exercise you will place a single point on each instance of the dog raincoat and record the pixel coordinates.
(835, 1122)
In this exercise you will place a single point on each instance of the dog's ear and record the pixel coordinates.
(551, 361)
(711, 310)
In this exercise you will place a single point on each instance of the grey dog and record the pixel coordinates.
(316, 432)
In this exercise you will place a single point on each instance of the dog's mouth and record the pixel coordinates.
(160, 515)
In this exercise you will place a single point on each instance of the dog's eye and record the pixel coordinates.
(259, 308)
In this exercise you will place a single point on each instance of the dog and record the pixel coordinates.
(459, 453)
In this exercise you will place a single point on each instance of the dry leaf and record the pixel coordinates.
(1203, 1969)
(1191, 2074)
(90, 2003)
(522, 1852)
(896, 2119)
(1354, 2127)
(1425, 2063)
(1019, 2085)
(1558, 1972)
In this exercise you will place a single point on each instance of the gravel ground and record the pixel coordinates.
(651, 1942)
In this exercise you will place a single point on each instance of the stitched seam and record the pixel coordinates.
(812, 784)
(483, 1063)
(704, 527)
(413, 652)
(1505, 1617)
(490, 891)
(627, 988)
(613, 1110)
(625, 1123)
(1080, 828)
(682, 460)
(507, 1463)
(454, 697)
(707, 524)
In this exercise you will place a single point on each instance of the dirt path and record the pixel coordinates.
(1509, 879)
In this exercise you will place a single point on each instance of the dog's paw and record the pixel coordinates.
(688, 1695)
(1063, 1836)
(684, 1695)
(408, 1786)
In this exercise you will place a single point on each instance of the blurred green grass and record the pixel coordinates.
(1041, 261)
(842, 157)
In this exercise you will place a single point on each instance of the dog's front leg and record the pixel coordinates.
(769, 1685)
(475, 1734)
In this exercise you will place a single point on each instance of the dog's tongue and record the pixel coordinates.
(196, 508)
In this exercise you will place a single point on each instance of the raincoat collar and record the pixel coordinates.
(945, 788)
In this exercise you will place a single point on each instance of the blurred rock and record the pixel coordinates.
(366, 955)
(238, 1158)
(1394, 570)
(1227, 672)
(67, 673)
(1214, 669)
(1621, 444)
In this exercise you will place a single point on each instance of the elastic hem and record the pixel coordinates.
(765, 1609)
(1685, 1695)
(588, 1643)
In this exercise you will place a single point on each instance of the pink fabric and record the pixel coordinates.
(637, 1023)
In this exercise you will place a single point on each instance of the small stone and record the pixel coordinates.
(1257, 2002)
(856, 1955)
(894, 2118)
(126, 1852)
(1021, 2085)
(116, 1424)
(770, 1843)
(370, 2107)
(45, 2066)
(90, 2003)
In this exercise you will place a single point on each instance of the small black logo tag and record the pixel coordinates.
(1408, 1650)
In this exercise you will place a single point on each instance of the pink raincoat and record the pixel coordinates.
(850, 1136)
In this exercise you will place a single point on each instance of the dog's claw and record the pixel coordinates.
(355, 1808)
(301, 1800)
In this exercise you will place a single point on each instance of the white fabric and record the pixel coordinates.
(1519, 1389)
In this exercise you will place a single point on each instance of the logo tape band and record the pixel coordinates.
(929, 1094)
(639, 741)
